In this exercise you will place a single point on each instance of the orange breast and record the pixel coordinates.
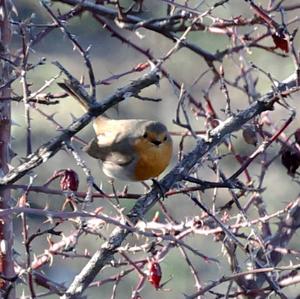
(153, 160)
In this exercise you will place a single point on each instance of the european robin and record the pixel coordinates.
(130, 149)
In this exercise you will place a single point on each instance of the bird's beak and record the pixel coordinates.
(156, 142)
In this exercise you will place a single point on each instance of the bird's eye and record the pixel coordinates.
(145, 135)
(165, 139)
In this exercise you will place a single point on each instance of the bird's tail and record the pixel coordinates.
(77, 93)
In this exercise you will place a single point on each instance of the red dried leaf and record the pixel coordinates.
(69, 180)
(155, 274)
(291, 160)
(281, 41)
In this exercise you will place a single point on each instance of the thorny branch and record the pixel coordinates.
(181, 170)
(47, 150)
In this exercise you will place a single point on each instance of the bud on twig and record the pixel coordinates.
(69, 180)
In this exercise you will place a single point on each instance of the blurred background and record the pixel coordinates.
(110, 57)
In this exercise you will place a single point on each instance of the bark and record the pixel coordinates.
(6, 223)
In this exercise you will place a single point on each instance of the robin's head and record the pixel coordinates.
(155, 133)
(154, 150)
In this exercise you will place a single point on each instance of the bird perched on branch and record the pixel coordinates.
(130, 149)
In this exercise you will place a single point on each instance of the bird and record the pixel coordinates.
(130, 149)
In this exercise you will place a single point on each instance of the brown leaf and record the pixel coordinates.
(155, 274)
(281, 41)
(69, 180)
(290, 159)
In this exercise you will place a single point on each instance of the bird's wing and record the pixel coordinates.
(93, 149)
(106, 151)
(112, 142)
